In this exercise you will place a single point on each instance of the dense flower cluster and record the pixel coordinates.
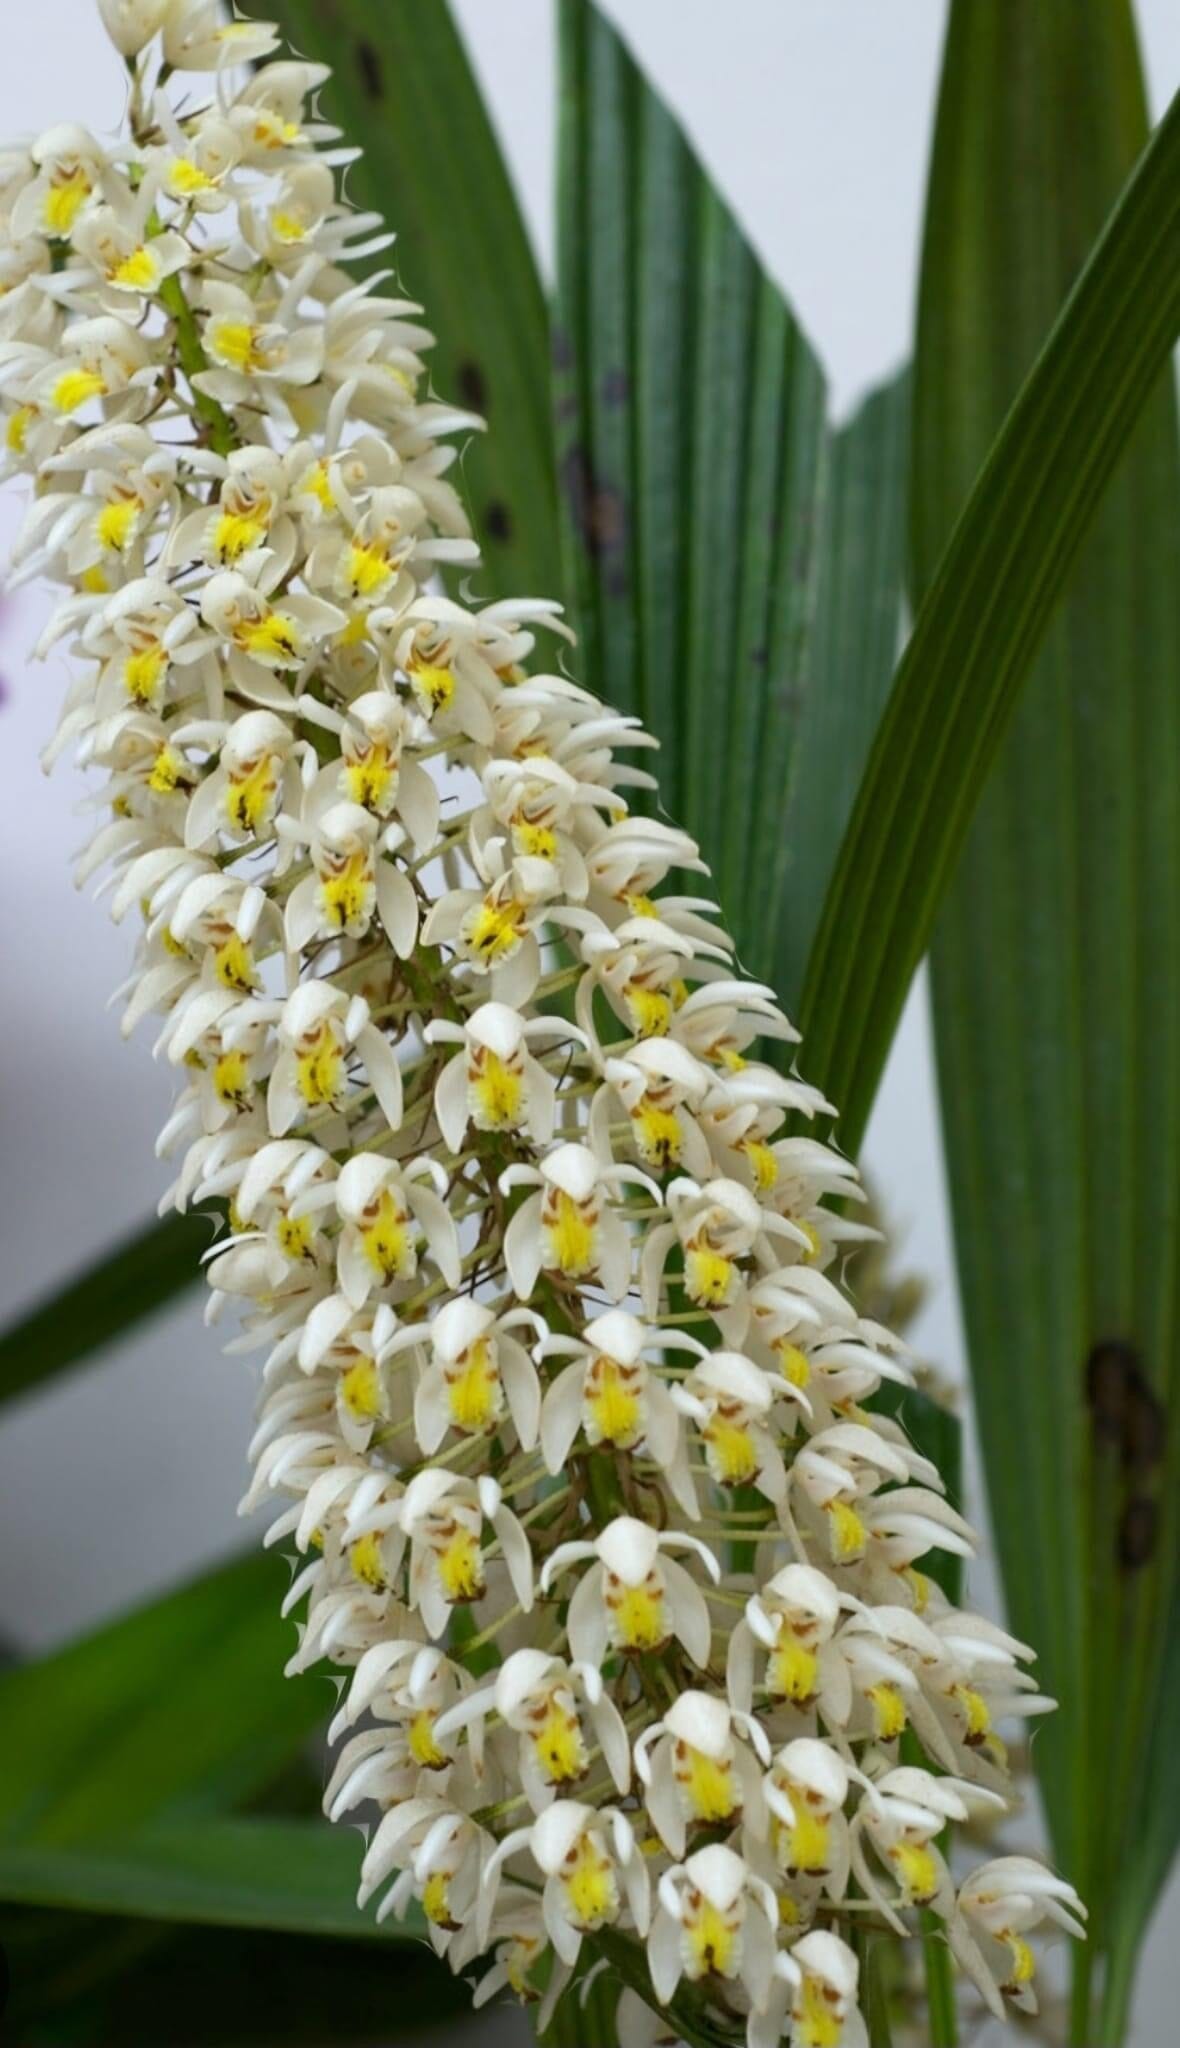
(564, 1404)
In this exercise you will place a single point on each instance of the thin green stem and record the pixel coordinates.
(941, 2012)
(217, 424)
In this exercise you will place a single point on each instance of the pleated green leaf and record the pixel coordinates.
(179, 1708)
(691, 457)
(854, 653)
(1055, 970)
(111, 1296)
(298, 1876)
(403, 90)
(980, 625)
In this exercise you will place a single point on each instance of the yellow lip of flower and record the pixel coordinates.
(1023, 1962)
(711, 1941)
(319, 1068)
(367, 1563)
(387, 1239)
(116, 524)
(792, 1671)
(139, 271)
(367, 568)
(231, 1079)
(817, 2022)
(16, 432)
(730, 1450)
(804, 1845)
(168, 772)
(915, 1865)
(185, 179)
(250, 797)
(976, 1713)
(370, 781)
(494, 929)
(570, 1235)
(709, 1276)
(433, 684)
(66, 195)
(588, 1882)
(889, 1710)
(347, 897)
(235, 533)
(658, 1137)
(640, 906)
(846, 1531)
(288, 227)
(763, 1164)
(559, 1745)
(538, 840)
(315, 483)
(360, 1390)
(496, 1090)
(474, 1394)
(233, 963)
(613, 1403)
(294, 1234)
(275, 637)
(707, 1784)
(143, 674)
(422, 1745)
(436, 1899)
(460, 1566)
(637, 1617)
(794, 1364)
(74, 387)
(649, 1009)
(236, 344)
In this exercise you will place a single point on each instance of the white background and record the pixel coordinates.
(815, 118)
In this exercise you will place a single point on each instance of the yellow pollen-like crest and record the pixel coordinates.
(168, 772)
(729, 1447)
(846, 1531)
(709, 1277)
(65, 197)
(231, 1078)
(637, 1614)
(433, 685)
(422, 1745)
(143, 674)
(658, 1136)
(387, 1240)
(249, 799)
(140, 271)
(460, 1566)
(792, 1670)
(235, 343)
(360, 1390)
(235, 533)
(712, 1943)
(367, 1562)
(649, 1010)
(558, 1745)
(708, 1785)
(614, 1406)
(473, 1389)
(371, 780)
(233, 961)
(116, 524)
(347, 898)
(275, 638)
(294, 1234)
(319, 1069)
(436, 1899)
(589, 1885)
(817, 2022)
(915, 1864)
(367, 568)
(889, 1710)
(493, 930)
(74, 387)
(16, 432)
(185, 179)
(497, 1090)
(571, 1236)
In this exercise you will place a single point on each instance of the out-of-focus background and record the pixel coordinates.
(814, 117)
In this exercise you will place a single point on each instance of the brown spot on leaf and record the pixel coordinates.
(498, 521)
(598, 510)
(369, 65)
(1138, 1534)
(473, 385)
(1145, 1426)
(1110, 1370)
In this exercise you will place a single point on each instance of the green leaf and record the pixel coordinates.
(102, 1983)
(119, 1290)
(858, 626)
(179, 1708)
(980, 625)
(403, 90)
(1055, 977)
(691, 447)
(299, 1876)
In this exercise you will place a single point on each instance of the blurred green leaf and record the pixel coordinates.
(980, 625)
(691, 456)
(179, 1708)
(120, 1289)
(1055, 974)
(295, 1875)
(404, 91)
(858, 627)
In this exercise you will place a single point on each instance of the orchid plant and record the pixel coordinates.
(649, 1669)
